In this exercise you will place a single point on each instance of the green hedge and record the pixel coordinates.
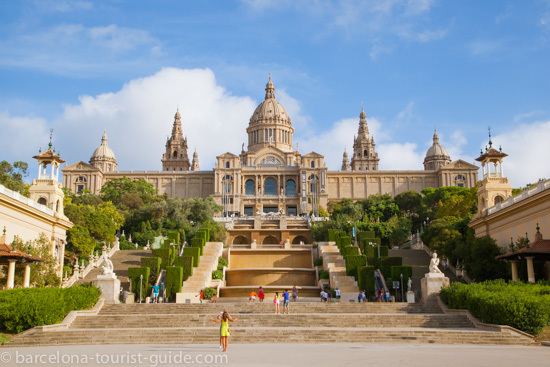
(198, 242)
(186, 263)
(333, 235)
(153, 263)
(134, 275)
(343, 242)
(367, 249)
(174, 237)
(318, 261)
(396, 272)
(167, 256)
(204, 234)
(174, 281)
(25, 308)
(386, 264)
(365, 279)
(353, 262)
(221, 263)
(217, 274)
(523, 306)
(193, 252)
(324, 274)
(350, 251)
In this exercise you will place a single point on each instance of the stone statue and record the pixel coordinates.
(434, 263)
(409, 285)
(107, 268)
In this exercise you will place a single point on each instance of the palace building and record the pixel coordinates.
(270, 175)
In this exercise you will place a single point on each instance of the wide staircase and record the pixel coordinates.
(202, 275)
(308, 322)
(122, 260)
(335, 264)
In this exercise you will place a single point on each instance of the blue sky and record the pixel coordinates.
(80, 67)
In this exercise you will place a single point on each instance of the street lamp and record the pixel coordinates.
(140, 286)
(402, 286)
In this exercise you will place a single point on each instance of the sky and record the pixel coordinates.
(82, 67)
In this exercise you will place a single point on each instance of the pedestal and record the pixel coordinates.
(431, 285)
(109, 286)
(410, 297)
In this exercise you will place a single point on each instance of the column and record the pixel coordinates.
(514, 264)
(27, 280)
(11, 274)
(530, 269)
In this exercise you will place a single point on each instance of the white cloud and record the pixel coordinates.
(484, 47)
(400, 156)
(139, 117)
(527, 149)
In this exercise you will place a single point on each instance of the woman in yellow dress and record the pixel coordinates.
(224, 329)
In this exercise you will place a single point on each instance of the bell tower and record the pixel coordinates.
(46, 189)
(176, 158)
(494, 187)
(364, 155)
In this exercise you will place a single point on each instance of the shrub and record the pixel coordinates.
(362, 235)
(324, 274)
(217, 274)
(386, 264)
(173, 237)
(368, 249)
(174, 281)
(523, 306)
(166, 254)
(221, 263)
(365, 279)
(333, 234)
(153, 263)
(22, 309)
(318, 261)
(186, 263)
(135, 275)
(209, 292)
(343, 242)
(353, 262)
(350, 251)
(193, 252)
(198, 242)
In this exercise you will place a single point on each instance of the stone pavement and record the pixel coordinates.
(338, 354)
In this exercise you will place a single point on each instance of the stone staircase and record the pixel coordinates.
(335, 264)
(202, 275)
(308, 323)
(122, 260)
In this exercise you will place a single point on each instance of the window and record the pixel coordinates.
(366, 153)
(42, 201)
(460, 177)
(81, 179)
(312, 164)
(498, 199)
(249, 211)
(175, 155)
(290, 188)
(291, 211)
(227, 165)
(249, 187)
(79, 188)
(270, 187)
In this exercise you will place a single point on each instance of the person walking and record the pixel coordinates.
(286, 299)
(276, 302)
(294, 294)
(261, 294)
(224, 330)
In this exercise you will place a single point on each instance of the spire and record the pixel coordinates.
(345, 161)
(490, 141)
(435, 137)
(269, 89)
(104, 138)
(363, 127)
(195, 163)
(177, 132)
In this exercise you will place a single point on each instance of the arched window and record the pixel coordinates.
(498, 199)
(366, 153)
(249, 187)
(270, 187)
(227, 182)
(290, 188)
(42, 201)
(312, 164)
(227, 164)
(175, 155)
(459, 177)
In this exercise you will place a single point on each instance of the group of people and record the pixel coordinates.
(328, 296)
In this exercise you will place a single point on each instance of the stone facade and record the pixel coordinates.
(270, 175)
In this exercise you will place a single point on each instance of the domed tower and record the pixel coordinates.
(436, 156)
(364, 155)
(195, 163)
(176, 158)
(270, 125)
(103, 157)
(345, 161)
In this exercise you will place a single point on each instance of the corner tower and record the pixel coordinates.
(364, 154)
(176, 158)
(270, 125)
(494, 187)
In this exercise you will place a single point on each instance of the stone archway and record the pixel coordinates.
(241, 240)
(297, 240)
(270, 240)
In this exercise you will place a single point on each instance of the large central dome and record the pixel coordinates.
(270, 125)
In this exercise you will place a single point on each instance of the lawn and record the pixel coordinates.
(4, 338)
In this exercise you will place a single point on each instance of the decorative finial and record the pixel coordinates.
(500, 148)
(4, 231)
(490, 141)
(51, 137)
(269, 76)
(527, 239)
(538, 228)
(512, 246)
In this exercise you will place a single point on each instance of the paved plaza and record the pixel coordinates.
(345, 354)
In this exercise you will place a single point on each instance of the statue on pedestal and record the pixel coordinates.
(409, 285)
(434, 263)
(107, 268)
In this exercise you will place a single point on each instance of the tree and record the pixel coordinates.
(43, 274)
(408, 201)
(114, 190)
(80, 239)
(12, 176)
